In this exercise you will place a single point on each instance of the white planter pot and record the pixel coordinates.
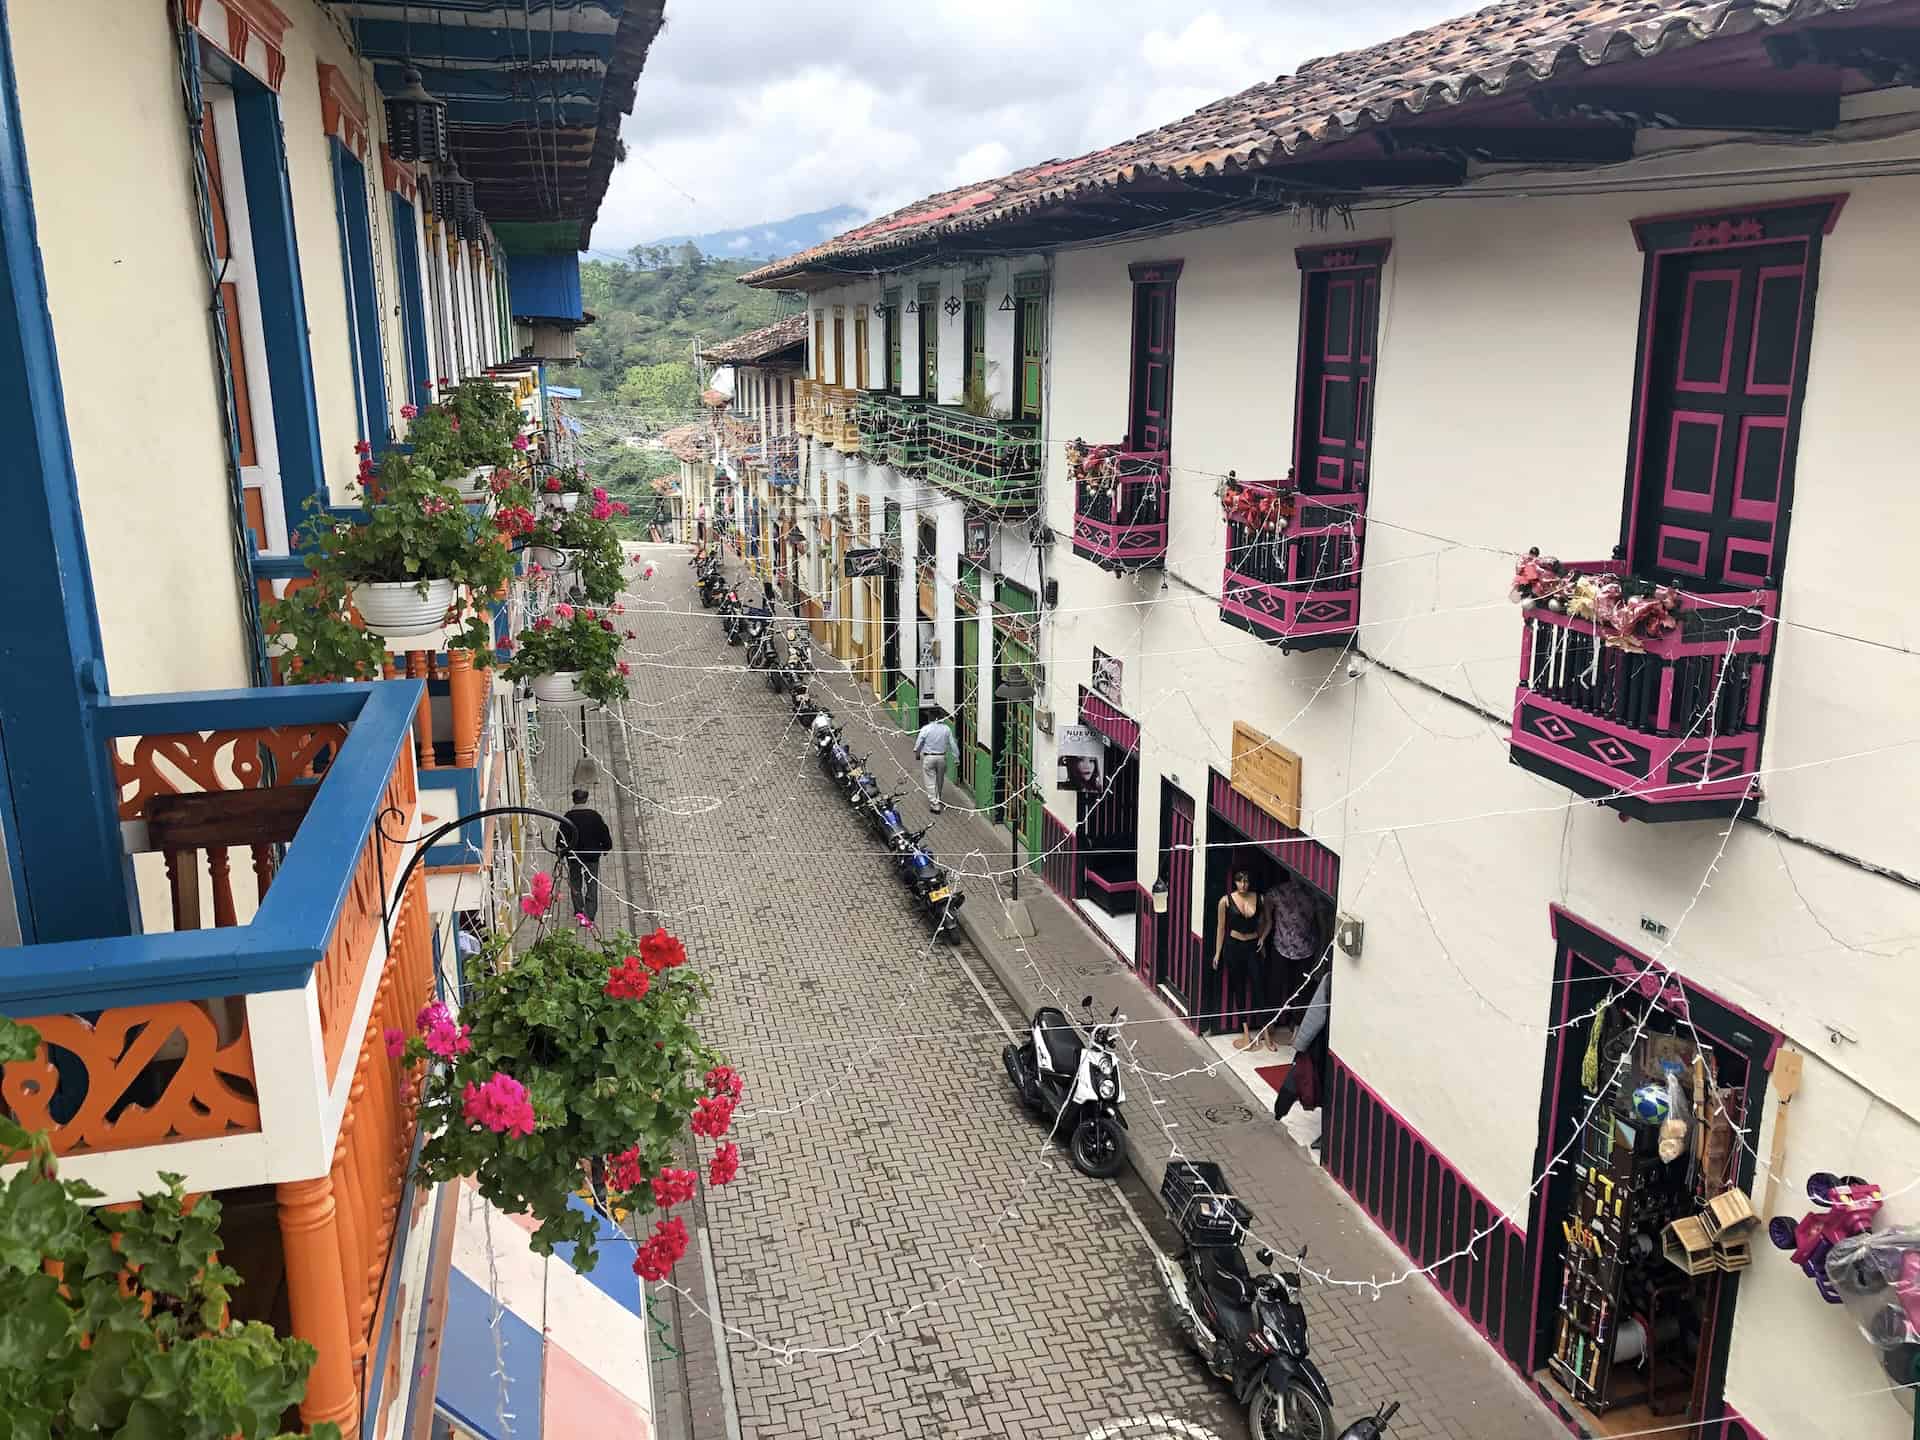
(567, 499)
(475, 483)
(560, 688)
(398, 608)
(557, 562)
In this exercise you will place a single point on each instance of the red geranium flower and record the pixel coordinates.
(628, 980)
(661, 951)
(623, 1170)
(673, 1187)
(712, 1115)
(725, 1164)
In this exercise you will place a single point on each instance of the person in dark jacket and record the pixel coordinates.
(583, 842)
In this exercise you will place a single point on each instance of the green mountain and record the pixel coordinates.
(637, 374)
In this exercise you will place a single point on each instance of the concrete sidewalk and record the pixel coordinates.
(1408, 1344)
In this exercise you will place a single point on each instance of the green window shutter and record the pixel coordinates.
(1033, 343)
(976, 347)
(930, 342)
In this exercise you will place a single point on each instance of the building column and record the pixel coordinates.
(59, 800)
(317, 1298)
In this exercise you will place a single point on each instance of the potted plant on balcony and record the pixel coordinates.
(559, 537)
(118, 1318)
(1258, 507)
(474, 430)
(565, 489)
(571, 654)
(405, 564)
(1094, 469)
(578, 1057)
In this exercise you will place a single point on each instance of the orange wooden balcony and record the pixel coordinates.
(239, 1041)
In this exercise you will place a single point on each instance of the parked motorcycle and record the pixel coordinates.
(800, 697)
(1371, 1427)
(760, 652)
(1251, 1330)
(929, 881)
(797, 668)
(713, 580)
(830, 749)
(732, 618)
(1056, 1071)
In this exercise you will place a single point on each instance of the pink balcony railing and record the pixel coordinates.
(1123, 524)
(1298, 583)
(1669, 733)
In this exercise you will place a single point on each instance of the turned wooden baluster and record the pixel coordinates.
(464, 691)
(419, 667)
(317, 1300)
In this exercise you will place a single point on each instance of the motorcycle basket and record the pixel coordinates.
(1202, 1203)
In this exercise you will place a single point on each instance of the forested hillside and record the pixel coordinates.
(637, 373)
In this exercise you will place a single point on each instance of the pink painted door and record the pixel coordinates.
(1719, 418)
(1150, 417)
(1335, 404)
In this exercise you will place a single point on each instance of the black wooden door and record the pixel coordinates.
(1150, 412)
(1336, 378)
(1176, 956)
(1715, 462)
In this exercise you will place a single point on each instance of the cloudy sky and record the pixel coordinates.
(760, 109)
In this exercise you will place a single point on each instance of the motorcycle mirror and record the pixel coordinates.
(1086, 1002)
(1264, 1256)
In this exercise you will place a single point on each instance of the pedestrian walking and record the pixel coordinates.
(1305, 1074)
(934, 745)
(701, 522)
(583, 842)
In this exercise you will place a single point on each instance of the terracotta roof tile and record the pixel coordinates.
(687, 442)
(758, 344)
(1490, 52)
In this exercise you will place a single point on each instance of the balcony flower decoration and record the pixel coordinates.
(1624, 611)
(404, 566)
(1094, 469)
(595, 565)
(312, 634)
(580, 1051)
(575, 647)
(1258, 506)
(118, 1318)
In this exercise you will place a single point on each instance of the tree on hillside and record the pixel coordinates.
(660, 393)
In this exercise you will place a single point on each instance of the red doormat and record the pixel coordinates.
(1274, 1075)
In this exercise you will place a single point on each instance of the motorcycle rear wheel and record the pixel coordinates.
(1302, 1416)
(1098, 1149)
(775, 682)
(1019, 1062)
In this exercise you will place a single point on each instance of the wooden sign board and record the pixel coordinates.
(1267, 774)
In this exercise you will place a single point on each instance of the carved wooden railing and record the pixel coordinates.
(1298, 583)
(1121, 524)
(243, 1046)
(1672, 732)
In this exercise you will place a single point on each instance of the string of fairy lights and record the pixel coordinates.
(788, 1353)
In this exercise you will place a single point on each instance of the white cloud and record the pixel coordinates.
(753, 113)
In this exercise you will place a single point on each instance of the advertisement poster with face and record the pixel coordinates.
(1083, 759)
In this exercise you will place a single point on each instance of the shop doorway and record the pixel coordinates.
(1276, 857)
(966, 684)
(1630, 1332)
(1106, 885)
(1176, 974)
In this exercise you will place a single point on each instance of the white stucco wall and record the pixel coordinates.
(1506, 361)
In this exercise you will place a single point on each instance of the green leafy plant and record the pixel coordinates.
(578, 1051)
(474, 424)
(573, 640)
(317, 639)
(600, 569)
(416, 530)
(115, 1324)
(568, 529)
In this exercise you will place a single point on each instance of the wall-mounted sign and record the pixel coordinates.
(866, 562)
(979, 539)
(1106, 676)
(1267, 774)
(1083, 759)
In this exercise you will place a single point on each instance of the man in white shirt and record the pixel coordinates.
(934, 744)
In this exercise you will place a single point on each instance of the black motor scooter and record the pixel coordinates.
(1251, 1330)
(796, 670)
(732, 618)
(1075, 1083)
(760, 654)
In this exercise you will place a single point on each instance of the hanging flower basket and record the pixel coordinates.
(558, 562)
(1258, 505)
(475, 483)
(560, 688)
(396, 607)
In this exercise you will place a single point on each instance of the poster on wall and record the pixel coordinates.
(979, 539)
(1083, 759)
(1106, 677)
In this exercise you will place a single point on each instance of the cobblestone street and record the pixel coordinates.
(906, 1253)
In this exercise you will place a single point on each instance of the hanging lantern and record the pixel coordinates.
(452, 195)
(416, 122)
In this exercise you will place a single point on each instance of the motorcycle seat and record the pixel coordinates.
(1063, 1041)
(1223, 1270)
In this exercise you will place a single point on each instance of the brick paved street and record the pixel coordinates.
(874, 1283)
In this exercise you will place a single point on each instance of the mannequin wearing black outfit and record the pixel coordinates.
(583, 841)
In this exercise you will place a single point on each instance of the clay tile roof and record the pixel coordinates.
(686, 442)
(1491, 52)
(715, 398)
(759, 344)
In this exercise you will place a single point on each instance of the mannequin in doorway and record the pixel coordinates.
(1293, 939)
(1240, 935)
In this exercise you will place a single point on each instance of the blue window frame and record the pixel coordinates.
(363, 310)
(413, 308)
